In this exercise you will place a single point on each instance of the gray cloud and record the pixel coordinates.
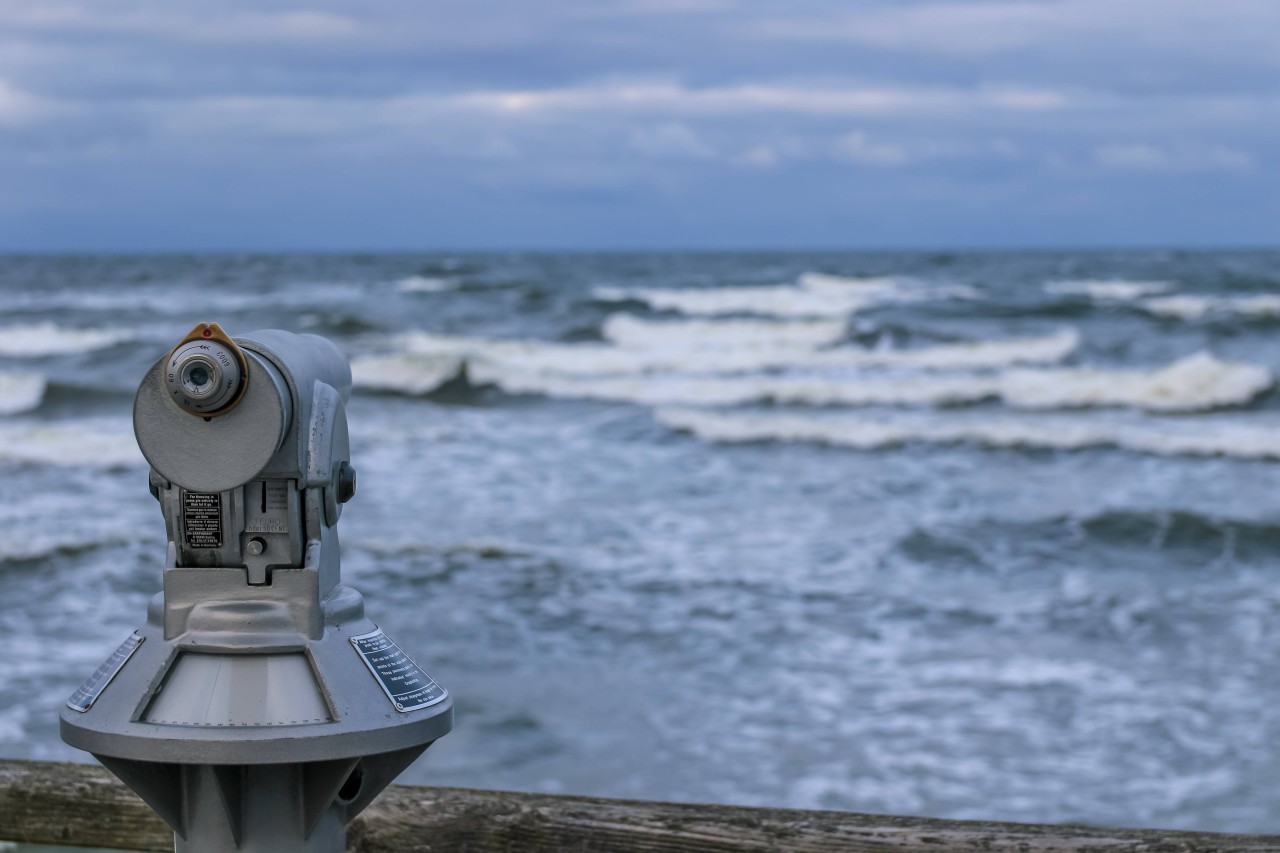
(619, 108)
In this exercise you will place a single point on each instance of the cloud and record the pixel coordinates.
(624, 8)
(1143, 157)
(758, 157)
(670, 141)
(1006, 149)
(979, 29)
(177, 25)
(485, 102)
(857, 148)
(19, 108)
(747, 98)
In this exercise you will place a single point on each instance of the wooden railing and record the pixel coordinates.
(83, 805)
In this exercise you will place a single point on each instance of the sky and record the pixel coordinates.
(632, 124)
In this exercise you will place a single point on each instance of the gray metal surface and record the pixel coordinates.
(244, 714)
(222, 452)
(364, 719)
(203, 689)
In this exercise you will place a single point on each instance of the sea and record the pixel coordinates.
(966, 535)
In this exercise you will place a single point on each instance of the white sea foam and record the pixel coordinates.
(721, 391)
(85, 444)
(895, 288)
(626, 330)
(813, 295)
(969, 355)
(48, 339)
(774, 301)
(406, 374)
(1251, 439)
(20, 392)
(1116, 289)
(1191, 307)
(424, 361)
(826, 281)
(426, 284)
(1195, 383)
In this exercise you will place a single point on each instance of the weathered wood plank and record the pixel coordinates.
(493, 821)
(76, 804)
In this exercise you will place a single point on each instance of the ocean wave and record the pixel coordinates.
(626, 330)
(403, 547)
(48, 339)
(426, 284)
(1222, 437)
(335, 322)
(803, 343)
(1194, 384)
(812, 295)
(20, 392)
(712, 363)
(1111, 289)
(912, 289)
(1191, 307)
(971, 355)
(1245, 539)
(37, 546)
(782, 300)
(62, 445)
(176, 298)
(725, 391)
(1186, 539)
(425, 362)
(412, 373)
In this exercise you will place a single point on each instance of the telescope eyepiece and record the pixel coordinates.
(204, 377)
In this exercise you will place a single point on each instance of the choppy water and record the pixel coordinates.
(957, 535)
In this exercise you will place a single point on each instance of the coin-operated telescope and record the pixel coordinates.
(258, 709)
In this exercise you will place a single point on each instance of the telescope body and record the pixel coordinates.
(258, 708)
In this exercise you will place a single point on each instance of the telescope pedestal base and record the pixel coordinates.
(261, 808)
(256, 809)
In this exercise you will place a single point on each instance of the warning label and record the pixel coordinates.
(89, 692)
(202, 519)
(407, 686)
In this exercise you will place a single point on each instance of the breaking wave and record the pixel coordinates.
(426, 284)
(20, 392)
(413, 373)
(812, 295)
(971, 355)
(633, 332)
(48, 339)
(1112, 290)
(731, 362)
(1191, 307)
(63, 445)
(1254, 439)
(423, 362)
(1197, 383)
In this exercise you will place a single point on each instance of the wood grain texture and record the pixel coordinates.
(76, 804)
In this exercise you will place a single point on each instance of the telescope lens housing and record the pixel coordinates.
(203, 377)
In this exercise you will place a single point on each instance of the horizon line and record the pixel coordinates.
(9, 252)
